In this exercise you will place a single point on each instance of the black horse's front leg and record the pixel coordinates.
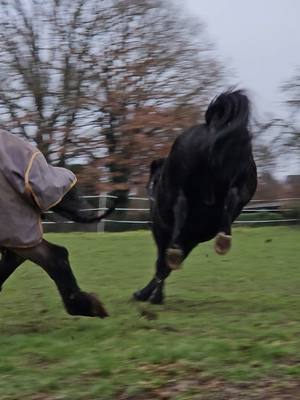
(175, 252)
(237, 197)
(230, 212)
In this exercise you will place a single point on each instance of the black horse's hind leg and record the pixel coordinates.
(171, 253)
(54, 260)
(162, 272)
(153, 291)
(8, 264)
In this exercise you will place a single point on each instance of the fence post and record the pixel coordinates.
(102, 204)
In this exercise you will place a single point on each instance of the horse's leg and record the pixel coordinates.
(154, 289)
(156, 284)
(237, 197)
(232, 208)
(54, 260)
(163, 270)
(175, 252)
(9, 263)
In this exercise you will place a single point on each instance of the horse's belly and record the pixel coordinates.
(203, 224)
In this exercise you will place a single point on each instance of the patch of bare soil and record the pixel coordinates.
(215, 389)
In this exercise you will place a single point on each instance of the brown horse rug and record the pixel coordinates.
(28, 187)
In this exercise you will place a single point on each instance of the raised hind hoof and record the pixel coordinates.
(85, 304)
(174, 258)
(222, 243)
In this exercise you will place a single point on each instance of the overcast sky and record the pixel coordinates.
(259, 39)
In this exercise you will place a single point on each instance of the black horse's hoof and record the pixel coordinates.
(156, 300)
(85, 304)
(140, 296)
(146, 292)
(157, 297)
(174, 257)
(222, 243)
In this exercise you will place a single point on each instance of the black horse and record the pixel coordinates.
(201, 187)
(54, 259)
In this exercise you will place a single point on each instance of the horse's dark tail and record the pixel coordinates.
(74, 207)
(87, 218)
(228, 114)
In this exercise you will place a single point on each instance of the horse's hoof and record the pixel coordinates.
(174, 257)
(85, 304)
(222, 243)
(97, 308)
(140, 296)
(157, 300)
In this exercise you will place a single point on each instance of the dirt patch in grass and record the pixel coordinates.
(215, 389)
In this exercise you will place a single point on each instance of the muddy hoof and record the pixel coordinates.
(222, 243)
(85, 304)
(174, 258)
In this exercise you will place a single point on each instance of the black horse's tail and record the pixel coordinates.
(74, 207)
(228, 114)
(87, 218)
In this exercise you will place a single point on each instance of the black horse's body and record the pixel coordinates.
(201, 187)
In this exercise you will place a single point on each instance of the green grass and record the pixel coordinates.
(235, 318)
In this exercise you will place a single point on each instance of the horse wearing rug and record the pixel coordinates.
(30, 186)
(201, 187)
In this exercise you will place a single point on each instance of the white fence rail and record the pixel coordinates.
(278, 206)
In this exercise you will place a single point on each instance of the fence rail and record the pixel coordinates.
(276, 207)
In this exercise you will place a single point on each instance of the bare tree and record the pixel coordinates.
(265, 152)
(291, 124)
(162, 69)
(45, 77)
(104, 83)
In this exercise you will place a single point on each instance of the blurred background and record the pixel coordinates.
(104, 87)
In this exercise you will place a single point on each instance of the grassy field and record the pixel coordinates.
(230, 328)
